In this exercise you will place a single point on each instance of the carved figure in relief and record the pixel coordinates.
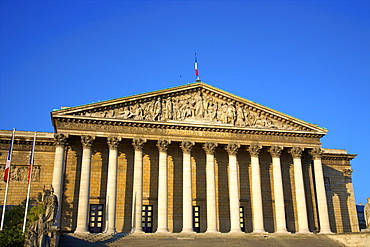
(125, 113)
(157, 109)
(367, 213)
(239, 116)
(212, 111)
(168, 109)
(199, 106)
(222, 114)
(230, 116)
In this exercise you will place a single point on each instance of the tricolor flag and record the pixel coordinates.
(196, 67)
(9, 159)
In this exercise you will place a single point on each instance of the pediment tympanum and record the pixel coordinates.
(192, 104)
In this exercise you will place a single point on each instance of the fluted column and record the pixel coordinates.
(232, 149)
(113, 143)
(163, 186)
(209, 148)
(320, 191)
(275, 152)
(187, 211)
(257, 208)
(138, 144)
(60, 141)
(299, 190)
(84, 195)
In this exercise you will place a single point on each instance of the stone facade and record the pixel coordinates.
(193, 145)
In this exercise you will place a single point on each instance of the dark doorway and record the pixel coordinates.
(196, 218)
(241, 216)
(96, 218)
(147, 218)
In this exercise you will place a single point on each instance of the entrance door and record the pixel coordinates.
(196, 218)
(241, 215)
(96, 218)
(147, 218)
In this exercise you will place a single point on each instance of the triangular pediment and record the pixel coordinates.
(192, 104)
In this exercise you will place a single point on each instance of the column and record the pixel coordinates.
(113, 143)
(257, 208)
(320, 191)
(163, 187)
(138, 144)
(60, 141)
(187, 210)
(300, 196)
(209, 148)
(84, 195)
(275, 152)
(232, 149)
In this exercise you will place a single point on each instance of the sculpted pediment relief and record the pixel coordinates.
(197, 105)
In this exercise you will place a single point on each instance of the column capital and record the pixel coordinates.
(254, 150)
(275, 151)
(60, 139)
(138, 143)
(113, 142)
(296, 152)
(87, 141)
(317, 153)
(163, 144)
(209, 147)
(186, 146)
(232, 148)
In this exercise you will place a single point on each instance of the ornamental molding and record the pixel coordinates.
(296, 152)
(138, 143)
(209, 147)
(232, 148)
(189, 105)
(187, 146)
(70, 125)
(275, 151)
(348, 173)
(162, 145)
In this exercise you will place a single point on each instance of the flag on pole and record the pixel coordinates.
(196, 67)
(9, 160)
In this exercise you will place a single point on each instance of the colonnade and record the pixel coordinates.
(233, 177)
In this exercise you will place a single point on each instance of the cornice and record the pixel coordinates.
(185, 126)
(344, 157)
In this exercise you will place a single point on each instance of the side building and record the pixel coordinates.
(192, 158)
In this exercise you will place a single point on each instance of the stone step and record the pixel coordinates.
(200, 239)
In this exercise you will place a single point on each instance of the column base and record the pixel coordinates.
(162, 230)
(187, 230)
(212, 230)
(137, 230)
(326, 231)
(235, 231)
(260, 231)
(303, 231)
(81, 230)
(284, 231)
(111, 231)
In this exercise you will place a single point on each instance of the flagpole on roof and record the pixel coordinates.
(197, 78)
(7, 177)
(29, 182)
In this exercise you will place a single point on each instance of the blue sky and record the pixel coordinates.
(308, 59)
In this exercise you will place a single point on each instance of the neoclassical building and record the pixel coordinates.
(192, 158)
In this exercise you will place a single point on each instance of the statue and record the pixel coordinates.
(367, 214)
(38, 233)
(51, 207)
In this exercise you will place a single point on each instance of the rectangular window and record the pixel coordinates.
(96, 218)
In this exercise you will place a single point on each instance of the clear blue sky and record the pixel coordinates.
(308, 59)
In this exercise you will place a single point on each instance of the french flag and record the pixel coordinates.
(8, 160)
(196, 67)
